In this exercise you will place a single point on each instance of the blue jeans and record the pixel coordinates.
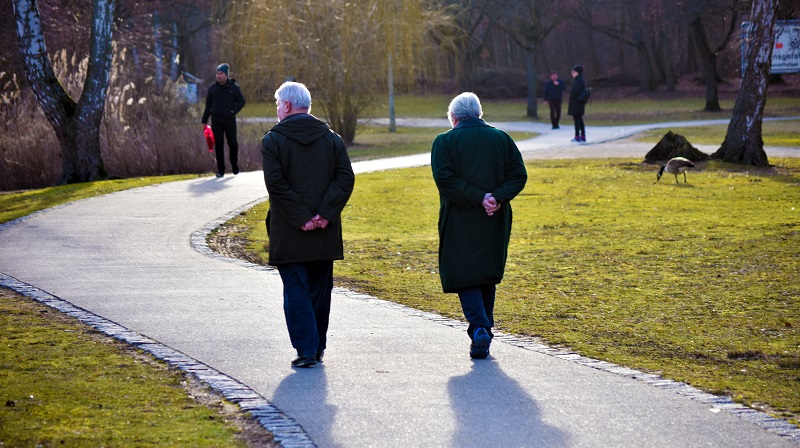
(477, 302)
(307, 304)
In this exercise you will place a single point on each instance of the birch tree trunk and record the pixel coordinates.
(743, 143)
(76, 124)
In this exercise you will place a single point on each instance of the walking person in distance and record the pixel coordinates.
(223, 102)
(478, 170)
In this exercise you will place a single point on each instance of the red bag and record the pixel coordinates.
(209, 137)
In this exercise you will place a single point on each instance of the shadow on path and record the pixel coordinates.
(480, 402)
(308, 389)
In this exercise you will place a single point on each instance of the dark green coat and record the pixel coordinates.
(307, 172)
(468, 161)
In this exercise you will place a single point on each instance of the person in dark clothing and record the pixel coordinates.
(478, 170)
(223, 102)
(553, 95)
(309, 179)
(578, 97)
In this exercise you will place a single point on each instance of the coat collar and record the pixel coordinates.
(470, 123)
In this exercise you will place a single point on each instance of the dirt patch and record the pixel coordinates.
(227, 240)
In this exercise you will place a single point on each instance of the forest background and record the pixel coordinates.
(355, 56)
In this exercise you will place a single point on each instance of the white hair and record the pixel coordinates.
(295, 93)
(466, 105)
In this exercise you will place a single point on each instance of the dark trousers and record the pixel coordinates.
(225, 129)
(555, 112)
(477, 302)
(307, 304)
(580, 129)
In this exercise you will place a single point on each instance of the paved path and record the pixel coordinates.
(134, 264)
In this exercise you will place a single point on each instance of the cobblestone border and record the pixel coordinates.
(717, 403)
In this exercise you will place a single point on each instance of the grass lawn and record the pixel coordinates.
(698, 282)
(64, 384)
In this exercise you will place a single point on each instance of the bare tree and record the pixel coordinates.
(722, 14)
(77, 124)
(340, 49)
(529, 23)
(743, 143)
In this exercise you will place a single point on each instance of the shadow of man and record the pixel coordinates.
(303, 396)
(492, 409)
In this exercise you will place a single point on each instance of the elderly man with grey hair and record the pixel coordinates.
(309, 180)
(478, 170)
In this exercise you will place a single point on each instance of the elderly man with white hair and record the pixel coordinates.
(478, 171)
(309, 180)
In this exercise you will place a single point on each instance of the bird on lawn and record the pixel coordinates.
(676, 165)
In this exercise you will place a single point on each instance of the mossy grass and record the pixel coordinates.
(15, 204)
(64, 384)
(775, 133)
(696, 281)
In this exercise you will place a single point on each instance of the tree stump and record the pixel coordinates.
(674, 145)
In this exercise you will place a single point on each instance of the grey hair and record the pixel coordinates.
(295, 93)
(466, 105)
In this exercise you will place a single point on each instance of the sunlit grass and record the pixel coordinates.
(64, 385)
(696, 281)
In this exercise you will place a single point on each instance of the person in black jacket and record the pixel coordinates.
(578, 97)
(309, 179)
(223, 102)
(553, 96)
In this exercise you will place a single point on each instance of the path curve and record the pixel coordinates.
(134, 263)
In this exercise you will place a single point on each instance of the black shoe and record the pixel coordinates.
(303, 361)
(481, 340)
(556, 127)
(220, 174)
(320, 355)
(236, 171)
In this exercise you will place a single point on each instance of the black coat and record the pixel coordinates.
(468, 161)
(578, 96)
(307, 172)
(223, 102)
(554, 93)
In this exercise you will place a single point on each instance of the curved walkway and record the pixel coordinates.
(135, 265)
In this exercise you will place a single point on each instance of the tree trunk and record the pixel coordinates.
(668, 60)
(708, 62)
(392, 121)
(77, 125)
(743, 143)
(530, 64)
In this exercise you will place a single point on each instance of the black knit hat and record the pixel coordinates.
(578, 68)
(223, 68)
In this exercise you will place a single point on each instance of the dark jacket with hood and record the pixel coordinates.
(578, 96)
(307, 172)
(223, 102)
(468, 161)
